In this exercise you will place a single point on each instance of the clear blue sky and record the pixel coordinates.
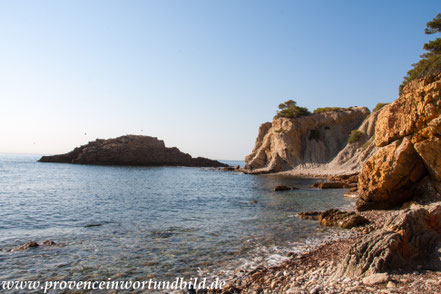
(201, 75)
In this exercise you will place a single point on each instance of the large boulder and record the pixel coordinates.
(131, 150)
(388, 178)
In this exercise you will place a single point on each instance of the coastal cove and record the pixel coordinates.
(121, 119)
(150, 222)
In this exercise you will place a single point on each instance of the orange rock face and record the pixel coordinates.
(408, 132)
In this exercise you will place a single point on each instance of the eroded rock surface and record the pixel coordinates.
(407, 241)
(286, 143)
(407, 133)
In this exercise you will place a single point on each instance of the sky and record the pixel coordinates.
(200, 75)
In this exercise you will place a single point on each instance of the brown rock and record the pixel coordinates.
(417, 106)
(388, 178)
(331, 185)
(48, 243)
(26, 246)
(281, 188)
(314, 215)
(131, 150)
(430, 152)
(343, 219)
(376, 279)
(407, 240)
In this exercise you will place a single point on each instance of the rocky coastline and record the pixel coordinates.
(131, 150)
(395, 244)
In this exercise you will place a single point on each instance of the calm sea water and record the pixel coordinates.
(158, 222)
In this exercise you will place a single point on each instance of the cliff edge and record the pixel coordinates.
(287, 143)
(131, 150)
(407, 165)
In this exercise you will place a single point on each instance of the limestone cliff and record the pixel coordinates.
(408, 162)
(287, 143)
(131, 150)
(351, 158)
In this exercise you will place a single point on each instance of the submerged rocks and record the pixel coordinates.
(314, 215)
(30, 244)
(131, 150)
(282, 188)
(33, 244)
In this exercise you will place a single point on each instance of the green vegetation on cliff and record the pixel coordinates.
(355, 136)
(430, 62)
(290, 109)
(326, 109)
(379, 106)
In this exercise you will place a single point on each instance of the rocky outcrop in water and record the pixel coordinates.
(131, 150)
(407, 133)
(290, 142)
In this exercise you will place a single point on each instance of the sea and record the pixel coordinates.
(117, 222)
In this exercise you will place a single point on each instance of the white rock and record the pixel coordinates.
(376, 279)
(391, 284)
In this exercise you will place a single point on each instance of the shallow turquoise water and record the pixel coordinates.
(153, 222)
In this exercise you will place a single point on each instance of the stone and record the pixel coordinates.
(314, 215)
(388, 178)
(376, 279)
(343, 219)
(48, 243)
(391, 284)
(331, 185)
(30, 244)
(281, 188)
(131, 150)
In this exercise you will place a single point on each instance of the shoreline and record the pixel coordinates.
(313, 270)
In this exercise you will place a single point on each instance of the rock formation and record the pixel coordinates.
(287, 143)
(407, 135)
(131, 150)
(335, 218)
(351, 158)
(407, 166)
(408, 239)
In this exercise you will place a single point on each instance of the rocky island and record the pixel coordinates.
(131, 150)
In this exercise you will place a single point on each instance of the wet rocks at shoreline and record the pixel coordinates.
(314, 271)
(335, 218)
